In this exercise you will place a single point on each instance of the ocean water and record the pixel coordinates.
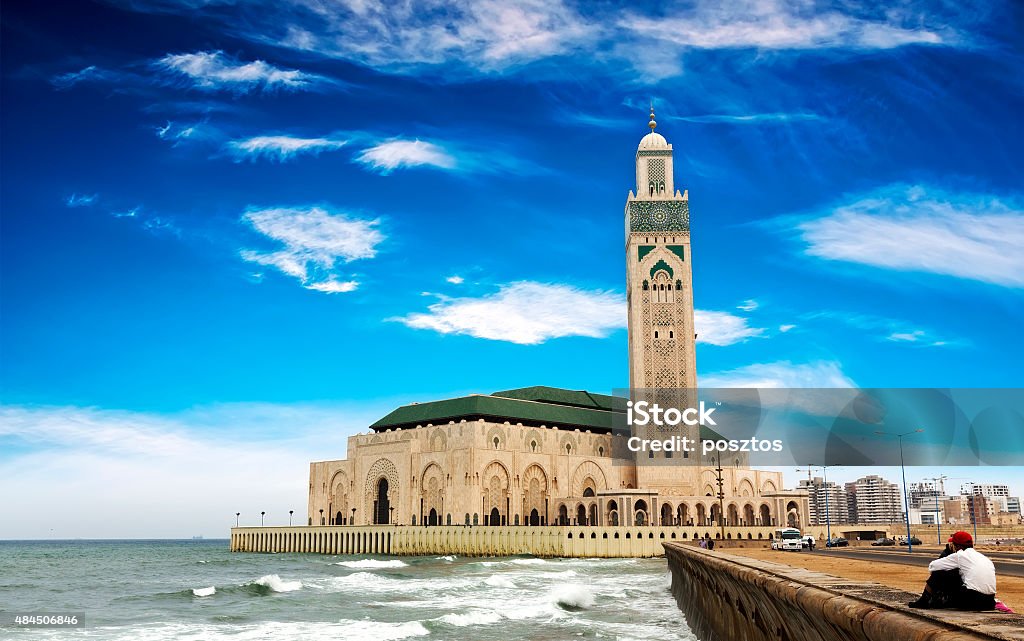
(197, 590)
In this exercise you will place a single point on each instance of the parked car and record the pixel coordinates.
(837, 542)
(884, 542)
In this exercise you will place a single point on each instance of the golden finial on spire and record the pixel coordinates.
(652, 124)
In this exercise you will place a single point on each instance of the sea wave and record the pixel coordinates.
(274, 583)
(447, 557)
(210, 591)
(476, 617)
(373, 564)
(498, 581)
(572, 597)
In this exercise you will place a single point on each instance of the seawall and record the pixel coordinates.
(727, 598)
(545, 541)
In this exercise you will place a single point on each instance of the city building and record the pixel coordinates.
(827, 502)
(873, 499)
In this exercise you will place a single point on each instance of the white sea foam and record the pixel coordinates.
(447, 557)
(528, 561)
(572, 597)
(373, 564)
(277, 584)
(475, 617)
(348, 629)
(204, 591)
(498, 581)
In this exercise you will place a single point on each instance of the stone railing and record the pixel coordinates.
(550, 540)
(727, 597)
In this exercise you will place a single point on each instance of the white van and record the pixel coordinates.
(787, 539)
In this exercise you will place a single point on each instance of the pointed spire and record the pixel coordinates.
(652, 124)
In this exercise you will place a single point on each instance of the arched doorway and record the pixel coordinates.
(702, 514)
(612, 516)
(495, 518)
(534, 517)
(563, 515)
(593, 514)
(792, 514)
(339, 519)
(734, 515)
(381, 512)
(589, 491)
(581, 515)
(681, 514)
(640, 512)
(716, 514)
(432, 517)
(666, 514)
(748, 514)
(766, 515)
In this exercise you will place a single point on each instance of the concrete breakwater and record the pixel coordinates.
(545, 541)
(727, 597)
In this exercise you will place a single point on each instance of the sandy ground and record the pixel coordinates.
(1009, 590)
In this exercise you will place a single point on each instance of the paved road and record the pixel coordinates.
(1007, 563)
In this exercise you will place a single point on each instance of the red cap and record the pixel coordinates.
(961, 538)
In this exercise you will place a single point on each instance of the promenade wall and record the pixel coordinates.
(727, 597)
(545, 541)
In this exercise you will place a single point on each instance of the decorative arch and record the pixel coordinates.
(768, 486)
(588, 470)
(438, 441)
(432, 491)
(496, 483)
(535, 492)
(382, 468)
(496, 433)
(339, 498)
(746, 488)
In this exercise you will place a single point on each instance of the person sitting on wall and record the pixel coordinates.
(961, 578)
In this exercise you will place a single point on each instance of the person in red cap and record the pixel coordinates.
(962, 578)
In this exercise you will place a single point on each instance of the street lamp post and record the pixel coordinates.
(824, 487)
(262, 514)
(903, 469)
(721, 498)
(290, 512)
(938, 526)
(237, 514)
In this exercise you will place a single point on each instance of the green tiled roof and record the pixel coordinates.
(551, 406)
(529, 405)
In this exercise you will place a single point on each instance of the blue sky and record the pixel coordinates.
(257, 227)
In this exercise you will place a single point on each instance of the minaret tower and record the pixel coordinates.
(659, 289)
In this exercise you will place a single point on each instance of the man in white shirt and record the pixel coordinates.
(961, 578)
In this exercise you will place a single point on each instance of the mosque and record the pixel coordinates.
(540, 456)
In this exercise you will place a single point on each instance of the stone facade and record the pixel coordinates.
(479, 472)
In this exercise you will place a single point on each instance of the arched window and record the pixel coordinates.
(600, 451)
(496, 442)
(645, 286)
(679, 285)
(533, 446)
(568, 448)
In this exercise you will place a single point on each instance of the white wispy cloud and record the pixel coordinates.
(527, 313)
(81, 200)
(786, 328)
(92, 73)
(207, 454)
(387, 156)
(781, 374)
(314, 242)
(455, 280)
(882, 328)
(213, 70)
(776, 24)
(748, 305)
(722, 328)
(492, 36)
(281, 147)
(752, 118)
(923, 229)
